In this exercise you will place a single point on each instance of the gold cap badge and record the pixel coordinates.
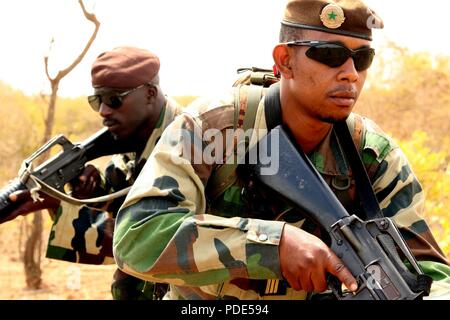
(332, 16)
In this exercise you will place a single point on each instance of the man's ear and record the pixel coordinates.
(282, 58)
(152, 93)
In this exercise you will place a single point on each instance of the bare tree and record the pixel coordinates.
(32, 252)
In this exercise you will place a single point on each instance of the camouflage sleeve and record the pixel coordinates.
(440, 288)
(83, 234)
(163, 234)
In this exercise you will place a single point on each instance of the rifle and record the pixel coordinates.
(374, 251)
(59, 170)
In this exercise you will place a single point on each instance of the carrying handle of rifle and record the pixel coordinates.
(59, 139)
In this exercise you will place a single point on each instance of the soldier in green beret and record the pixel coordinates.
(129, 99)
(175, 227)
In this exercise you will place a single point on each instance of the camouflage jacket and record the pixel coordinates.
(169, 230)
(83, 234)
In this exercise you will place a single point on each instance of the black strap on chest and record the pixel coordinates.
(272, 106)
(369, 202)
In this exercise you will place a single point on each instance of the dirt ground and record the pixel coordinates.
(60, 280)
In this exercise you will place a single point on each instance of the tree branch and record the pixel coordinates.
(62, 73)
(46, 69)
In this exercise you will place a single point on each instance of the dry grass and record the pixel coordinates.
(61, 280)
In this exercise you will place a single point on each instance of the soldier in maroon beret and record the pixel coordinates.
(127, 93)
(128, 97)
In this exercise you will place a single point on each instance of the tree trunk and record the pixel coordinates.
(32, 253)
(33, 245)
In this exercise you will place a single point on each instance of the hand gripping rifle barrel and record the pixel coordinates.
(374, 251)
(64, 166)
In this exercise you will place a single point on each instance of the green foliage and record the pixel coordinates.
(433, 170)
(408, 95)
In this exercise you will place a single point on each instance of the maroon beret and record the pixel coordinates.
(124, 68)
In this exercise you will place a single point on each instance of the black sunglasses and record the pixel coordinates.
(334, 54)
(112, 100)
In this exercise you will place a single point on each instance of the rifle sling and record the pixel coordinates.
(35, 184)
(368, 200)
(225, 176)
(272, 106)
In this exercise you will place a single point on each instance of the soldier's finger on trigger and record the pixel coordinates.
(82, 178)
(338, 269)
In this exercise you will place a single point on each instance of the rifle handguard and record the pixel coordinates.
(14, 186)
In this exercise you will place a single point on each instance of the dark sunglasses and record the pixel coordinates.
(112, 100)
(334, 54)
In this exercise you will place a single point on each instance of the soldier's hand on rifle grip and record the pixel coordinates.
(305, 261)
(23, 204)
(87, 185)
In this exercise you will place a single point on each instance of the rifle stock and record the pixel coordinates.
(64, 166)
(367, 248)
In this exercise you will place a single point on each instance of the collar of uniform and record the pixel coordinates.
(328, 158)
(161, 114)
(168, 112)
(151, 140)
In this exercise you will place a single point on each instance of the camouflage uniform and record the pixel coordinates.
(170, 230)
(83, 234)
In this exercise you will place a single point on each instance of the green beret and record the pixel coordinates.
(124, 68)
(347, 17)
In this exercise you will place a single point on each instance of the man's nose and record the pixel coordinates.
(348, 71)
(105, 110)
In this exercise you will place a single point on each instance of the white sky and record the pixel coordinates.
(200, 42)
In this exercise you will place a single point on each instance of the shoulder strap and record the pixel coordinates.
(246, 104)
(369, 202)
(253, 98)
(272, 106)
